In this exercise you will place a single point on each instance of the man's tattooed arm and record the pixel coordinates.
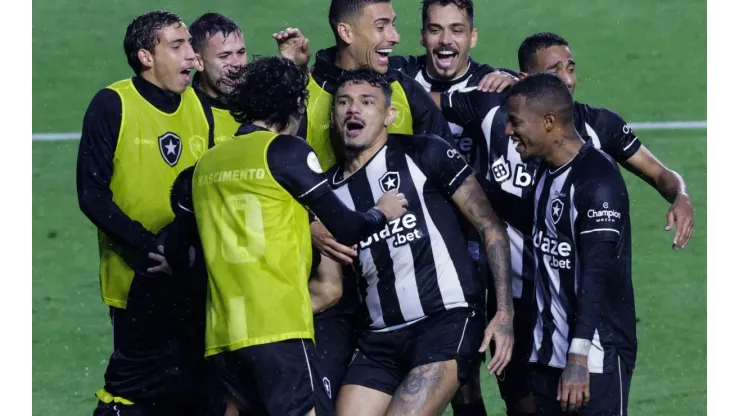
(473, 203)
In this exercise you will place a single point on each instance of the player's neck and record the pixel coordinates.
(345, 60)
(564, 149)
(356, 160)
(208, 90)
(289, 129)
(149, 77)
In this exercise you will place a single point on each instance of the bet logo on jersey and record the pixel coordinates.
(501, 170)
(390, 181)
(170, 147)
(556, 210)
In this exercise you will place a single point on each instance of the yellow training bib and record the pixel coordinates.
(153, 148)
(257, 246)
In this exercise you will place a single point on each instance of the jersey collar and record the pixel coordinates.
(214, 102)
(248, 128)
(165, 101)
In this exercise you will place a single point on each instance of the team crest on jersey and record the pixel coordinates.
(501, 170)
(197, 146)
(390, 181)
(556, 210)
(170, 147)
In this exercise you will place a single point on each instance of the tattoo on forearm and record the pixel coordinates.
(419, 386)
(493, 232)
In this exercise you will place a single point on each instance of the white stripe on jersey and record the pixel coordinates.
(538, 327)
(594, 137)
(600, 229)
(402, 257)
(372, 300)
(486, 129)
(449, 284)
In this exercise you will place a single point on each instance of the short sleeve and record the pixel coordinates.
(295, 166)
(615, 135)
(445, 165)
(602, 206)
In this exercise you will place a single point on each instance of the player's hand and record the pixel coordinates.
(163, 266)
(294, 46)
(501, 331)
(393, 204)
(681, 214)
(573, 388)
(328, 246)
(497, 81)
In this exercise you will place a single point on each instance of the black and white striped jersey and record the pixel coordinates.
(508, 177)
(580, 294)
(418, 264)
(416, 68)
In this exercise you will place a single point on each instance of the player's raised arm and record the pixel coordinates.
(457, 178)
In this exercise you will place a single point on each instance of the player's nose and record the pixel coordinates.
(509, 130)
(393, 36)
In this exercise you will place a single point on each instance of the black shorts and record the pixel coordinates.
(609, 391)
(383, 359)
(336, 341)
(280, 378)
(158, 345)
(513, 383)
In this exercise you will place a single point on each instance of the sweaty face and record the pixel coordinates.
(447, 37)
(373, 36)
(526, 128)
(221, 55)
(558, 60)
(360, 115)
(173, 58)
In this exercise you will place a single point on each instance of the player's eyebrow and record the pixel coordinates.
(177, 41)
(571, 62)
(385, 20)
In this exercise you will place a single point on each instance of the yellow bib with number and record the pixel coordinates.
(153, 148)
(257, 246)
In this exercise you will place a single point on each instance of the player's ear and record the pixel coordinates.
(345, 33)
(390, 116)
(199, 64)
(146, 58)
(474, 38)
(421, 38)
(549, 122)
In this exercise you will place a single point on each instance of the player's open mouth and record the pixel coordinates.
(383, 54)
(445, 58)
(518, 143)
(185, 75)
(354, 127)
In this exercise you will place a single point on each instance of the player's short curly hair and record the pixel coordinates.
(366, 75)
(141, 33)
(272, 90)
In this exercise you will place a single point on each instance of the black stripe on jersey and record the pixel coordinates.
(548, 320)
(362, 197)
(421, 249)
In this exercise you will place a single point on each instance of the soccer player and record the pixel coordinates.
(249, 195)
(365, 35)
(548, 52)
(219, 45)
(448, 34)
(422, 294)
(585, 338)
(138, 134)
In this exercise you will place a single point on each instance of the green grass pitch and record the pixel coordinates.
(645, 60)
